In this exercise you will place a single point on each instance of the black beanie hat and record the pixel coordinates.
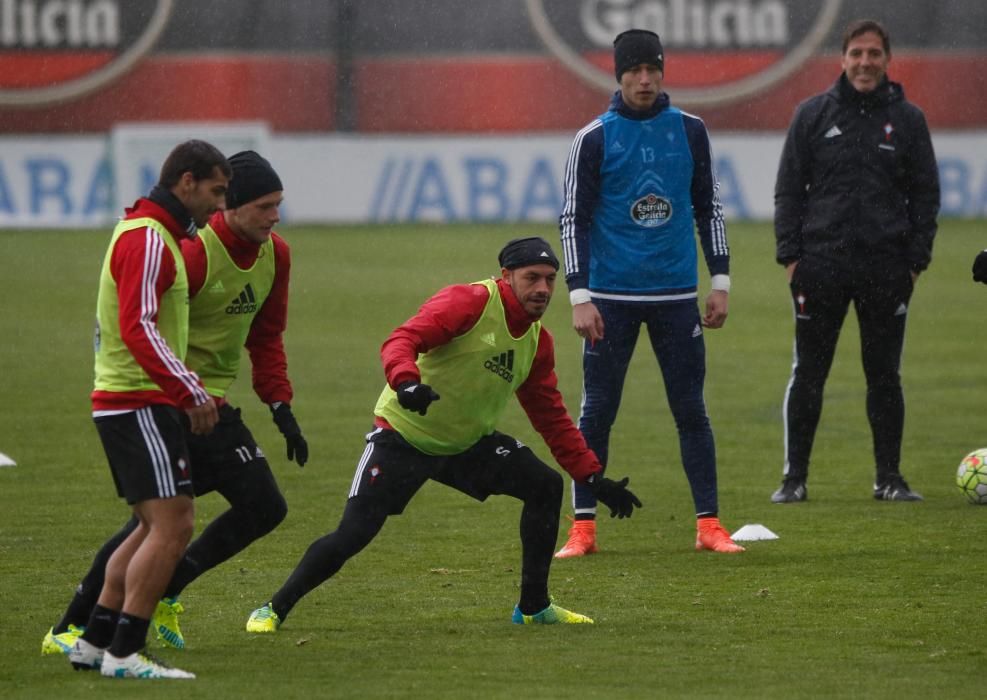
(522, 252)
(634, 47)
(253, 177)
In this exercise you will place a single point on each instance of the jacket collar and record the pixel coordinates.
(167, 200)
(147, 207)
(885, 93)
(239, 248)
(617, 105)
(518, 320)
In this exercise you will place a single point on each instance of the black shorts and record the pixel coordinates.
(225, 454)
(148, 455)
(392, 471)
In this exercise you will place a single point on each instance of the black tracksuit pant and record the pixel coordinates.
(821, 293)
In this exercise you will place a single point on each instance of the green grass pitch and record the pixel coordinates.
(856, 599)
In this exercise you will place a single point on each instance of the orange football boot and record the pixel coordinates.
(582, 540)
(711, 535)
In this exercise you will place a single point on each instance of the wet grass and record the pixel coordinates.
(856, 598)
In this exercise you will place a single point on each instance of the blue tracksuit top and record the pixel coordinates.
(635, 183)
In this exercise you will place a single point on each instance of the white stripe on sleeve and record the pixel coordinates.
(153, 253)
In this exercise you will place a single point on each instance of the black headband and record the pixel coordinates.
(522, 252)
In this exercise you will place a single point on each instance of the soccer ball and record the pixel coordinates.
(971, 477)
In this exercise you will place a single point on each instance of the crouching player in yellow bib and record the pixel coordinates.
(451, 370)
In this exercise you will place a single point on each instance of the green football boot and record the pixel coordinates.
(552, 615)
(62, 642)
(164, 622)
(263, 620)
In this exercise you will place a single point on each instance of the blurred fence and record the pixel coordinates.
(363, 100)
(455, 65)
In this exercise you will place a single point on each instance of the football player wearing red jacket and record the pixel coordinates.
(451, 370)
(238, 271)
(141, 388)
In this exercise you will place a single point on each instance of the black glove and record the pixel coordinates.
(414, 396)
(980, 267)
(283, 418)
(614, 495)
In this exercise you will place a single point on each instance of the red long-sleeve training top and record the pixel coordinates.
(452, 312)
(265, 341)
(142, 277)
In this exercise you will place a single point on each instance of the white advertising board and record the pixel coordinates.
(55, 181)
(138, 150)
(69, 182)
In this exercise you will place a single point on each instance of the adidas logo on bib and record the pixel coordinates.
(245, 303)
(502, 365)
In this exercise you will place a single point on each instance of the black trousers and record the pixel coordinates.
(391, 471)
(821, 294)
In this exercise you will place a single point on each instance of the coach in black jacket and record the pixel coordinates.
(855, 215)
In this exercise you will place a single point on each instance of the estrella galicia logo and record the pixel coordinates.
(53, 51)
(502, 365)
(651, 211)
(245, 303)
(772, 38)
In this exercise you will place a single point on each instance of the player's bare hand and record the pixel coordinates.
(716, 309)
(203, 418)
(587, 321)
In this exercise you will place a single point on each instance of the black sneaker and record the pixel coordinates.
(895, 488)
(792, 490)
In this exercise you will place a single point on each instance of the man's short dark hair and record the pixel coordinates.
(862, 26)
(196, 157)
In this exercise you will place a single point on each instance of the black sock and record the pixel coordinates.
(78, 611)
(87, 592)
(541, 493)
(534, 598)
(130, 636)
(539, 530)
(101, 627)
(584, 516)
